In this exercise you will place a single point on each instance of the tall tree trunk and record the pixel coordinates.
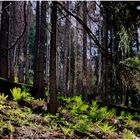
(99, 83)
(66, 56)
(15, 19)
(78, 58)
(36, 40)
(4, 36)
(52, 77)
(105, 63)
(0, 13)
(72, 63)
(40, 52)
(29, 20)
(85, 92)
(21, 43)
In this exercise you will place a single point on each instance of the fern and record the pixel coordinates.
(3, 97)
(16, 93)
(66, 130)
(20, 95)
(106, 128)
(127, 134)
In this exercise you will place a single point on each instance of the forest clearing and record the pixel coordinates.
(69, 70)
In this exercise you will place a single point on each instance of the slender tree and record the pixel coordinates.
(78, 54)
(85, 92)
(67, 48)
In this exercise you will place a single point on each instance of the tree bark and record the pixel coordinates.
(21, 43)
(52, 77)
(40, 52)
(66, 56)
(78, 58)
(4, 36)
(85, 92)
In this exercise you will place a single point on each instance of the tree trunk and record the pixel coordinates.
(40, 52)
(21, 43)
(78, 58)
(4, 36)
(66, 56)
(85, 92)
(104, 71)
(52, 77)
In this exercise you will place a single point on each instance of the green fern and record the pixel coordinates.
(94, 106)
(83, 125)
(3, 97)
(67, 131)
(127, 134)
(20, 95)
(106, 128)
(11, 128)
(110, 114)
(16, 93)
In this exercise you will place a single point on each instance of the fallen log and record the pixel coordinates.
(6, 85)
(119, 108)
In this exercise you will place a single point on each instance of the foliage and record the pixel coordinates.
(3, 97)
(83, 124)
(106, 128)
(132, 75)
(127, 134)
(67, 131)
(7, 126)
(125, 116)
(15, 79)
(11, 128)
(18, 94)
(134, 62)
(2, 106)
(110, 114)
(97, 113)
(124, 41)
(70, 120)
(75, 104)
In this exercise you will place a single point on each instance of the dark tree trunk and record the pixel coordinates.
(78, 58)
(104, 61)
(52, 77)
(21, 44)
(85, 92)
(66, 56)
(4, 36)
(39, 83)
(36, 40)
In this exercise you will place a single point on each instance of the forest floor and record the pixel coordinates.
(75, 120)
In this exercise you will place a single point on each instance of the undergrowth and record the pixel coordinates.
(74, 119)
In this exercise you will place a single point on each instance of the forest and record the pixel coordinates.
(69, 69)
